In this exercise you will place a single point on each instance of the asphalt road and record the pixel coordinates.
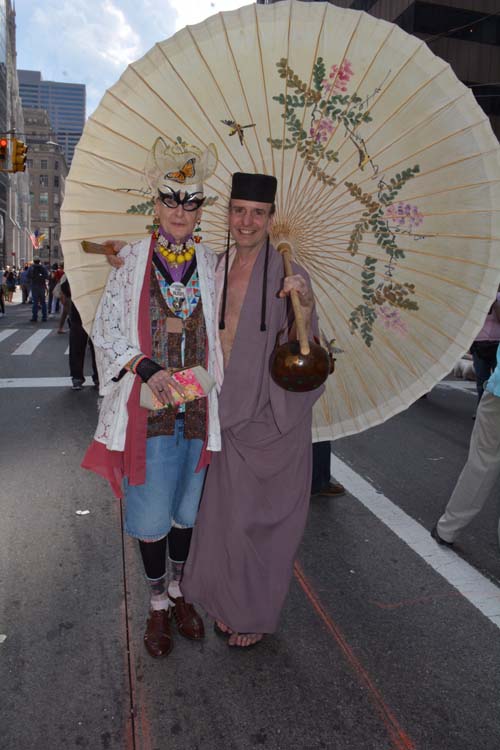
(376, 649)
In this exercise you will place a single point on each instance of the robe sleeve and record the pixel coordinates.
(113, 346)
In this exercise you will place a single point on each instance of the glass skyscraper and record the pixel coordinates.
(64, 102)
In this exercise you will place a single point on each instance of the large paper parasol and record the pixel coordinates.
(389, 183)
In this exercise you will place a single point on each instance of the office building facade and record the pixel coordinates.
(47, 173)
(14, 193)
(64, 102)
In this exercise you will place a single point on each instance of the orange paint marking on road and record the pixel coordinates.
(142, 723)
(129, 724)
(400, 739)
(145, 724)
(419, 600)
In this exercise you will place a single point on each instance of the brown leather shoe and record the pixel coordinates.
(188, 621)
(158, 637)
(332, 489)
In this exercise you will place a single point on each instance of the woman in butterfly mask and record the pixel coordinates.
(157, 315)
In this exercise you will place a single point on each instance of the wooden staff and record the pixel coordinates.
(285, 249)
(95, 249)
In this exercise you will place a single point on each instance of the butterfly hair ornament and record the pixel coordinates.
(178, 168)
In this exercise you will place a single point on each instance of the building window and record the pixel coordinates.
(43, 164)
(56, 181)
(56, 165)
(29, 163)
(488, 96)
(43, 199)
(428, 19)
(362, 4)
(56, 199)
(44, 180)
(44, 214)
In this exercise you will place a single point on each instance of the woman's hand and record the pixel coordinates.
(163, 386)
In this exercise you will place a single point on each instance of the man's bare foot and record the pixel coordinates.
(243, 640)
(221, 626)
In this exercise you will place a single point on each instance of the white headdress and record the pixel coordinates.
(179, 166)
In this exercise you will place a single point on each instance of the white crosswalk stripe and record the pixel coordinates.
(475, 587)
(38, 382)
(31, 343)
(466, 386)
(6, 333)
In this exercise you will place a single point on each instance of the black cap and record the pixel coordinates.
(254, 187)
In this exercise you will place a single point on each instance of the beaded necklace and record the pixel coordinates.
(174, 254)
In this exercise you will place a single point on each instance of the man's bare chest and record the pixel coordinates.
(238, 281)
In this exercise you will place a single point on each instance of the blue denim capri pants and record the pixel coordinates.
(172, 490)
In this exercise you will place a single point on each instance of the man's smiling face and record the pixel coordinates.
(249, 223)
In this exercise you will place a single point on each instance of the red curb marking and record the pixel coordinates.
(397, 734)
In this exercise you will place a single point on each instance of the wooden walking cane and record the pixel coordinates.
(300, 365)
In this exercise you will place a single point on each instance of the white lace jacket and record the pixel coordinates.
(116, 340)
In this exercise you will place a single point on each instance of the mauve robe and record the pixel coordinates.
(256, 497)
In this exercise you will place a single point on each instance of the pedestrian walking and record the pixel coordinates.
(10, 283)
(58, 273)
(38, 276)
(51, 285)
(481, 470)
(78, 341)
(65, 308)
(24, 282)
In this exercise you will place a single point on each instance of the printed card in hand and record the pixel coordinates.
(195, 381)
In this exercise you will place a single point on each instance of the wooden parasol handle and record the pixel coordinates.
(285, 249)
(95, 249)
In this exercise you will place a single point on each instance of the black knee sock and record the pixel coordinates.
(178, 543)
(154, 557)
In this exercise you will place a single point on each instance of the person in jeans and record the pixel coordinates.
(38, 276)
(157, 315)
(25, 286)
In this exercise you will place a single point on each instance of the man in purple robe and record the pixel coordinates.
(256, 496)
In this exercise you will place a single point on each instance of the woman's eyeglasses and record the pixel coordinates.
(173, 199)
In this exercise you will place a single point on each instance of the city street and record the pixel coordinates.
(387, 641)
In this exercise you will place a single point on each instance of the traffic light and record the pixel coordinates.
(19, 152)
(4, 151)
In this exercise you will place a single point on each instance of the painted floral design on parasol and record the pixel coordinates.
(331, 105)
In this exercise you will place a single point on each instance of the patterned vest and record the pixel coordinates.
(166, 350)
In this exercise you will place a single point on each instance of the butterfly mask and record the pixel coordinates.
(179, 167)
